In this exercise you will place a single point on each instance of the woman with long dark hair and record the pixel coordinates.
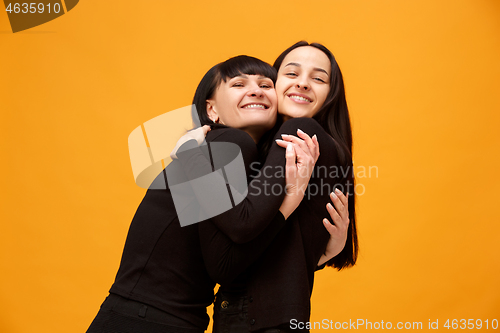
(274, 293)
(333, 116)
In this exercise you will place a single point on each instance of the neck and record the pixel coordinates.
(255, 137)
(254, 133)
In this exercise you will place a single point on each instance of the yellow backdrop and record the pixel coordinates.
(422, 82)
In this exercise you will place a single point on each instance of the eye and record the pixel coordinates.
(266, 86)
(237, 84)
(291, 74)
(319, 79)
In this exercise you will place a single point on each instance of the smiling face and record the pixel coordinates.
(247, 102)
(303, 82)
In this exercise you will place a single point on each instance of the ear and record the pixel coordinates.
(212, 114)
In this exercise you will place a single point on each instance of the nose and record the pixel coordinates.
(302, 85)
(256, 92)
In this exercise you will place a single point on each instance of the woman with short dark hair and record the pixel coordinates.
(162, 284)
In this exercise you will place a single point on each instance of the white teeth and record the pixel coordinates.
(300, 98)
(254, 106)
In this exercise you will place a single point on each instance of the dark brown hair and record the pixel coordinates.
(333, 116)
(221, 72)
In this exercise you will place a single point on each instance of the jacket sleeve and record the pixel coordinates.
(247, 219)
(331, 171)
(226, 260)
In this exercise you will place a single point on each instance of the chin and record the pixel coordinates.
(263, 122)
(295, 113)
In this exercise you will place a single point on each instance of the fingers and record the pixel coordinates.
(340, 202)
(339, 214)
(304, 155)
(299, 153)
(333, 214)
(305, 141)
(282, 143)
(206, 129)
(316, 148)
(298, 142)
(305, 162)
(341, 196)
(198, 134)
(290, 157)
(312, 144)
(332, 230)
(290, 166)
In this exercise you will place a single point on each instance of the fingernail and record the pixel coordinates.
(300, 131)
(289, 148)
(334, 195)
(337, 190)
(315, 137)
(284, 135)
(330, 205)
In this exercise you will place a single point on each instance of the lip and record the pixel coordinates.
(309, 99)
(255, 108)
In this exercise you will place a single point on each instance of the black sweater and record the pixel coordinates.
(162, 263)
(279, 284)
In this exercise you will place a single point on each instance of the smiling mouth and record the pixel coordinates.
(255, 106)
(299, 98)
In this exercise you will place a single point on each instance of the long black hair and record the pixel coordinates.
(333, 116)
(222, 72)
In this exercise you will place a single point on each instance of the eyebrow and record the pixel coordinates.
(315, 68)
(246, 77)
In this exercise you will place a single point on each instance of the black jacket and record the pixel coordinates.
(279, 284)
(162, 263)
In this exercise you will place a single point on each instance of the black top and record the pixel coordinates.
(279, 284)
(162, 262)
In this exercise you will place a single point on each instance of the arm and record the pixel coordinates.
(332, 171)
(224, 259)
(265, 192)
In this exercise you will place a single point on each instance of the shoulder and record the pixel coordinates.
(311, 127)
(304, 124)
(242, 139)
(233, 135)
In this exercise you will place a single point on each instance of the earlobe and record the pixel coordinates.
(212, 114)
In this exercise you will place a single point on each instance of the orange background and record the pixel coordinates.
(422, 82)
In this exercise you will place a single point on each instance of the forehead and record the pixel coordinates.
(249, 77)
(225, 85)
(308, 57)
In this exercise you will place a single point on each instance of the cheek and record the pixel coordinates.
(227, 109)
(324, 94)
(279, 88)
(273, 98)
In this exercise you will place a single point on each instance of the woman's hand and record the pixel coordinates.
(197, 134)
(301, 156)
(338, 230)
(307, 153)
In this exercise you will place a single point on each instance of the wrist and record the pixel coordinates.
(290, 203)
